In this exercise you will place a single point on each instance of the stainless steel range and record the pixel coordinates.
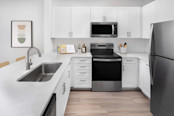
(106, 68)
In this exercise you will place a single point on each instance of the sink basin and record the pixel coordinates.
(42, 73)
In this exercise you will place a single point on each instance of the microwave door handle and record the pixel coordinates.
(112, 29)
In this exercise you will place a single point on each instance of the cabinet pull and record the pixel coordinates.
(64, 88)
(82, 72)
(129, 60)
(128, 34)
(71, 34)
(147, 65)
(69, 74)
(123, 67)
(83, 60)
(83, 80)
(82, 66)
(103, 18)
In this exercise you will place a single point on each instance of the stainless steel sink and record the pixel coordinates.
(42, 73)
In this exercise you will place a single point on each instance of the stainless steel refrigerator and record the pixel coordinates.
(162, 69)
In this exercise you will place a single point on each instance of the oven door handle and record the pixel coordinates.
(107, 60)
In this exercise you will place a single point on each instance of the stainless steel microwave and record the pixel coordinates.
(104, 29)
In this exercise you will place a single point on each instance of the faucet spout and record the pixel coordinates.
(29, 63)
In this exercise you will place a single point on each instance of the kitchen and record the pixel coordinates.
(69, 79)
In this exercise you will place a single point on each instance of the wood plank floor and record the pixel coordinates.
(87, 103)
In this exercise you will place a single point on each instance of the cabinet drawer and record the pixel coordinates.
(82, 67)
(82, 82)
(130, 60)
(82, 74)
(82, 60)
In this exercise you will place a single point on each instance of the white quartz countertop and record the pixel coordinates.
(29, 98)
(142, 56)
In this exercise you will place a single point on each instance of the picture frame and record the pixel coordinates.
(21, 34)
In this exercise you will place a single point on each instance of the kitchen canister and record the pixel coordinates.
(123, 50)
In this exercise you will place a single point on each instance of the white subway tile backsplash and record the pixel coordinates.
(133, 45)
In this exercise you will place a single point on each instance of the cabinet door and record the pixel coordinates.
(60, 102)
(122, 24)
(110, 14)
(133, 22)
(148, 17)
(61, 26)
(147, 80)
(97, 14)
(130, 73)
(62, 93)
(144, 78)
(141, 74)
(81, 22)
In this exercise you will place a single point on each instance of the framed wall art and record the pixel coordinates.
(21, 34)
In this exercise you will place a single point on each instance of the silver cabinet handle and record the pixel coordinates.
(82, 80)
(83, 66)
(128, 34)
(147, 65)
(71, 34)
(129, 60)
(69, 74)
(103, 18)
(83, 60)
(64, 88)
(123, 67)
(107, 60)
(82, 72)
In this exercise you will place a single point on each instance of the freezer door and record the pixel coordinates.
(162, 96)
(163, 39)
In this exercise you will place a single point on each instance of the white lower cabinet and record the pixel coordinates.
(81, 72)
(62, 93)
(129, 73)
(144, 78)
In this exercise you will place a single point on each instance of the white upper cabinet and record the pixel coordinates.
(97, 14)
(103, 14)
(61, 22)
(81, 22)
(134, 22)
(71, 22)
(148, 17)
(129, 22)
(122, 25)
(75, 22)
(110, 14)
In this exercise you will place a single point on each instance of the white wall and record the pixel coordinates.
(157, 11)
(164, 10)
(19, 10)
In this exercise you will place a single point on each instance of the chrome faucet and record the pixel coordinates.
(29, 63)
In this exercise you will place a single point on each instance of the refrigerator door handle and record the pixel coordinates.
(151, 54)
(150, 68)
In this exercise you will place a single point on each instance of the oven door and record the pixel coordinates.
(106, 69)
